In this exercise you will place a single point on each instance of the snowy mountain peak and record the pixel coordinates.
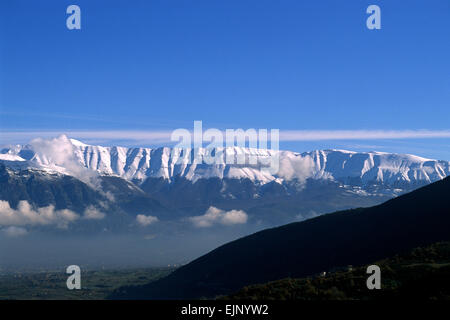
(78, 143)
(137, 164)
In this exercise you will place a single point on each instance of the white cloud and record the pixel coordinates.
(57, 150)
(155, 137)
(216, 216)
(60, 152)
(144, 220)
(139, 137)
(211, 216)
(92, 213)
(26, 215)
(300, 168)
(234, 217)
(313, 135)
(13, 231)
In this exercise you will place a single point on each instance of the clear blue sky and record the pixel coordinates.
(287, 64)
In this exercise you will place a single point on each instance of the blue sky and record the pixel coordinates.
(293, 65)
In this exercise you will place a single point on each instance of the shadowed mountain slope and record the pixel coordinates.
(300, 249)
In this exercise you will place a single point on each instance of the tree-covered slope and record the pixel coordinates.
(423, 273)
(301, 249)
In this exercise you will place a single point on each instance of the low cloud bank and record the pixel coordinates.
(14, 232)
(92, 213)
(26, 215)
(144, 220)
(214, 216)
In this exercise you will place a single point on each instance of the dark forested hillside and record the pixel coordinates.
(423, 273)
(301, 249)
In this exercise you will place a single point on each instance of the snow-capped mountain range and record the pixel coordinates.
(108, 187)
(69, 156)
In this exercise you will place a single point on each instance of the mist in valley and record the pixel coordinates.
(41, 251)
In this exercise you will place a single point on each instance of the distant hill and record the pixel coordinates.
(352, 237)
(423, 273)
(42, 189)
(119, 199)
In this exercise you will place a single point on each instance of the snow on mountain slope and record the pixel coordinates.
(377, 166)
(140, 163)
(10, 157)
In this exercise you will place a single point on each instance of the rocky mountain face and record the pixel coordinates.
(138, 164)
(69, 174)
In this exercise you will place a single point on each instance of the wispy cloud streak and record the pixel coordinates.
(161, 137)
(316, 135)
